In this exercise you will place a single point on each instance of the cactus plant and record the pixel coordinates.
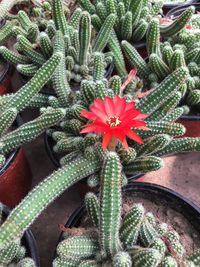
(18, 102)
(82, 154)
(71, 36)
(165, 57)
(138, 239)
(14, 254)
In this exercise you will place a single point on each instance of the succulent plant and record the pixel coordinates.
(131, 23)
(74, 37)
(14, 253)
(138, 239)
(83, 153)
(166, 57)
(11, 105)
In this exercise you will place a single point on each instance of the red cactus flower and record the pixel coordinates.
(115, 119)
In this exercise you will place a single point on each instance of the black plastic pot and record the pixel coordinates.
(177, 10)
(152, 192)
(28, 241)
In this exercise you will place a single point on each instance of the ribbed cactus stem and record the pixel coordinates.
(22, 98)
(110, 205)
(30, 130)
(36, 201)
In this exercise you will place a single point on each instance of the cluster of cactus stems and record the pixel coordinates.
(63, 51)
(14, 254)
(11, 105)
(74, 37)
(138, 239)
(181, 50)
(83, 154)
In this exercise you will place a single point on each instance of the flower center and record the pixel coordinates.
(113, 121)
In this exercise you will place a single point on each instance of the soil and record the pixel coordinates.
(163, 212)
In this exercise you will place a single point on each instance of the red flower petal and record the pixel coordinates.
(88, 115)
(120, 105)
(125, 144)
(99, 113)
(109, 106)
(132, 135)
(106, 140)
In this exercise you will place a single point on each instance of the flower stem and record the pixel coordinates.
(112, 145)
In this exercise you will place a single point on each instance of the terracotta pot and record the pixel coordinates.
(5, 78)
(15, 179)
(28, 241)
(15, 176)
(192, 125)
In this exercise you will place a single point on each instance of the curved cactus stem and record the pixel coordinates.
(153, 144)
(59, 16)
(153, 37)
(143, 165)
(178, 24)
(115, 48)
(158, 66)
(7, 118)
(92, 206)
(60, 83)
(22, 98)
(126, 26)
(168, 261)
(98, 66)
(174, 115)
(165, 108)
(27, 69)
(84, 37)
(13, 57)
(30, 130)
(8, 253)
(122, 259)
(185, 144)
(6, 31)
(135, 59)
(110, 205)
(70, 262)
(129, 230)
(78, 247)
(26, 262)
(104, 33)
(163, 92)
(36, 201)
(136, 7)
(89, 263)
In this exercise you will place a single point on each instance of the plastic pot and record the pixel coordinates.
(192, 125)
(5, 77)
(28, 241)
(152, 192)
(15, 178)
(81, 186)
(176, 10)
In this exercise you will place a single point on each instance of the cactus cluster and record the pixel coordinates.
(11, 105)
(138, 239)
(73, 36)
(14, 253)
(181, 50)
(132, 17)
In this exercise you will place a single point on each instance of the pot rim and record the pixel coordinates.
(189, 210)
(190, 117)
(5, 69)
(181, 7)
(28, 240)
(14, 154)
